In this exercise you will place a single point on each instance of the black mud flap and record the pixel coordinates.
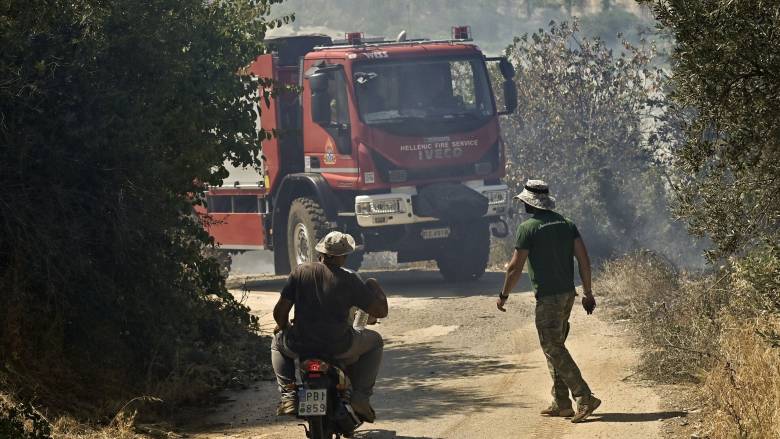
(450, 202)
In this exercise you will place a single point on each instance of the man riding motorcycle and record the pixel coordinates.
(323, 294)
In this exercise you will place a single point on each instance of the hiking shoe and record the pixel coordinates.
(554, 410)
(288, 405)
(364, 411)
(586, 409)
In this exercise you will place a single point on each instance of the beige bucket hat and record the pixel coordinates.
(537, 194)
(336, 244)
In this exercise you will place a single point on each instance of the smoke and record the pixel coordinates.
(494, 24)
(252, 263)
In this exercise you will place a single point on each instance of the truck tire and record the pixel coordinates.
(306, 225)
(464, 257)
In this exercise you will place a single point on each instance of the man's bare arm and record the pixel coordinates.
(282, 313)
(583, 261)
(378, 307)
(513, 273)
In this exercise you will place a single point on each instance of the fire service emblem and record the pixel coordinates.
(330, 156)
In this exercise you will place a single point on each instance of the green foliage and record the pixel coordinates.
(110, 112)
(591, 123)
(755, 279)
(726, 69)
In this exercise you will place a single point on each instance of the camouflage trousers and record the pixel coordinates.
(552, 324)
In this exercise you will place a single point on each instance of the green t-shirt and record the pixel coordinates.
(549, 239)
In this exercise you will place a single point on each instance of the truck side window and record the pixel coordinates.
(337, 90)
(339, 127)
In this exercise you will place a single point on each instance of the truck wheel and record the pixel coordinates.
(465, 255)
(306, 225)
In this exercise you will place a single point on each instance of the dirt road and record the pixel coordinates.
(455, 367)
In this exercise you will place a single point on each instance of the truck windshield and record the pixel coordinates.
(394, 91)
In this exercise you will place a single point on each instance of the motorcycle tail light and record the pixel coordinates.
(315, 366)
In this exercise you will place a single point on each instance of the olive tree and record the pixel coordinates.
(594, 124)
(726, 61)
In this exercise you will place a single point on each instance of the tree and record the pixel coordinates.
(110, 112)
(726, 63)
(584, 124)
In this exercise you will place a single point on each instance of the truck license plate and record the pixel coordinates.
(313, 402)
(439, 233)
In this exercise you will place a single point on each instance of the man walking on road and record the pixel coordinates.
(550, 243)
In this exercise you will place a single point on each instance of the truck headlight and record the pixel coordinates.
(496, 197)
(379, 207)
(363, 208)
(392, 205)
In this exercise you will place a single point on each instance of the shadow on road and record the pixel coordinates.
(410, 283)
(414, 382)
(385, 434)
(635, 417)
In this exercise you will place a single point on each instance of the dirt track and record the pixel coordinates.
(455, 367)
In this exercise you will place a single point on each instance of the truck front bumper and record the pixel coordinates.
(397, 207)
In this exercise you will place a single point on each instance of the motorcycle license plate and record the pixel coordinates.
(313, 402)
(439, 233)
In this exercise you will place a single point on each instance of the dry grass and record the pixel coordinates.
(743, 389)
(720, 331)
(676, 315)
(22, 420)
(122, 427)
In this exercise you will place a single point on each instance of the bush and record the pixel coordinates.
(742, 387)
(581, 125)
(721, 330)
(111, 113)
(676, 314)
(20, 420)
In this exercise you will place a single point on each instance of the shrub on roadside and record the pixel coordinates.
(742, 389)
(20, 420)
(676, 314)
(112, 114)
(721, 330)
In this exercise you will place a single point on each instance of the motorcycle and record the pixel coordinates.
(324, 393)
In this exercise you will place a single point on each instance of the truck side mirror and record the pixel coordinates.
(510, 97)
(506, 68)
(320, 98)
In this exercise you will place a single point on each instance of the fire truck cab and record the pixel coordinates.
(395, 142)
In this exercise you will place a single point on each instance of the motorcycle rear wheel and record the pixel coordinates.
(317, 429)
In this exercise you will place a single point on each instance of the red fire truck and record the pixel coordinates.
(395, 142)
